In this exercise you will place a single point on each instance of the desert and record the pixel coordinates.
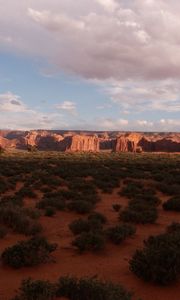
(84, 205)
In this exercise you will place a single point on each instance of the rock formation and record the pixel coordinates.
(94, 142)
(127, 143)
(81, 143)
(148, 143)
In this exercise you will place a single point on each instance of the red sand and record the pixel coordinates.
(111, 264)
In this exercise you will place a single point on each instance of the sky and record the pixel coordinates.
(90, 65)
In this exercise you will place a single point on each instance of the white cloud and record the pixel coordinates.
(109, 5)
(130, 46)
(67, 106)
(139, 96)
(111, 124)
(11, 102)
(136, 39)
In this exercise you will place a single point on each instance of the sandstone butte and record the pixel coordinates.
(90, 141)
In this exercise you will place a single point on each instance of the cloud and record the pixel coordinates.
(68, 106)
(108, 5)
(129, 48)
(17, 115)
(139, 96)
(108, 38)
(11, 102)
(111, 124)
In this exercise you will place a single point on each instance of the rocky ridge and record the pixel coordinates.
(90, 141)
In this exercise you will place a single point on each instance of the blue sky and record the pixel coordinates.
(106, 65)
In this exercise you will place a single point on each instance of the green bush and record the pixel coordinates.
(80, 206)
(79, 226)
(119, 233)
(36, 290)
(16, 219)
(140, 213)
(159, 260)
(28, 253)
(90, 289)
(72, 289)
(57, 203)
(173, 227)
(96, 216)
(94, 224)
(3, 232)
(50, 211)
(131, 189)
(89, 241)
(172, 204)
(26, 192)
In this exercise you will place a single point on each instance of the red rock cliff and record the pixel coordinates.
(82, 143)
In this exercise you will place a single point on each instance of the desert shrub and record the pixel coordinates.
(28, 253)
(50, 211)
(4, 185)
(57, 203)
(172, 204)
(45, 189)
(15, 218)
(36, 290)
(169, 188)
(119, 233)
(147, 198)
(3, 232)
(131, 189)
(79, 226)
(139, 212)
(32, 213)
(80, 206)
(94, 223)
(72, 289)
(159, 260)
(96, 216)
(89, 241)
(173, 227)
(116, 207)
(11, 200)
(90, 289)
(26, 192)
(106, 184)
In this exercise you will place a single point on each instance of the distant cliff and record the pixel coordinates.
(90, 142)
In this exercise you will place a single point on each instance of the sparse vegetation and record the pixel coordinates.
(90, 289)
(28, 253)
(73, 183)
(19, 220)
(89, 241)
(159, 260)
(119, 233)
(3, 232)
(73, 289)
(36, 290)
(172, 204)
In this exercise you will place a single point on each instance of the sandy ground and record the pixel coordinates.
(111, 264)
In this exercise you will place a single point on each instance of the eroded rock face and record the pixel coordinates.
(148, 143)
(5, 143)
(128, 143)
(81, 143)
(43, 140)
(71, 141)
